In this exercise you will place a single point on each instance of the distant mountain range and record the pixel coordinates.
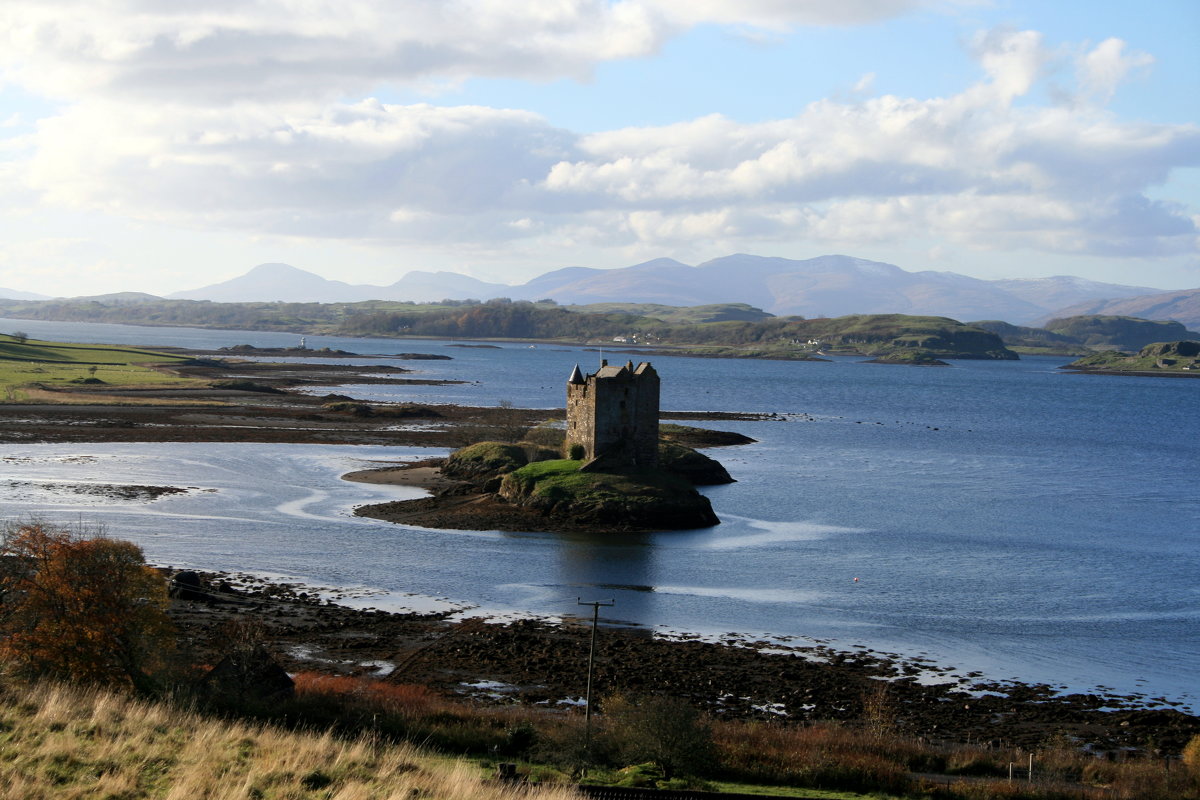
(13, 294)
(287, 284)
(826, 286)
(1181, 306)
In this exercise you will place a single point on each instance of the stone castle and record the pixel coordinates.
(612, 417)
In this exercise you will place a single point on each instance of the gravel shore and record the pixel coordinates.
(542, 664)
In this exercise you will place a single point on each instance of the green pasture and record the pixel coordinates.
(29, 367)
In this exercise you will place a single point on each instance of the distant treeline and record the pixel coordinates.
(505, 319)
(498, 319)
(298, 317)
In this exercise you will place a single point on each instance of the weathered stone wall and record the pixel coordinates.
(613, 415)
(645, 420)
(581, 419)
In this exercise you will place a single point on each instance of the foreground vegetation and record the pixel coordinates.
(61, 742)
(30, 369)
(87, 736)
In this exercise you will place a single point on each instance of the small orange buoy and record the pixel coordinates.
(856, 580)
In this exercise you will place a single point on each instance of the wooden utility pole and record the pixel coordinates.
(587, 713)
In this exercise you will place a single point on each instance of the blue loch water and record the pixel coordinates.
(1003, 517)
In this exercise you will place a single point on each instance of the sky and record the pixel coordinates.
(159, 146)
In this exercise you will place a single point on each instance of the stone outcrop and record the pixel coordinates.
(691, 465)
(644, 499)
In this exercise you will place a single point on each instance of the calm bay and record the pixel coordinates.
(1003, 517)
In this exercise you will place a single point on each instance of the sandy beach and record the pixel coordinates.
(423, 475)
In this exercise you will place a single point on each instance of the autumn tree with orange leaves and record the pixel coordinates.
(80, 607)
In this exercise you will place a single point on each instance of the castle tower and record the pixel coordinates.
(612, 416)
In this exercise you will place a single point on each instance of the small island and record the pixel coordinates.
(915, 358)
(1168, 359)
(613, 471)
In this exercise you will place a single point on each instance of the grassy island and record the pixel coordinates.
(918, 358)
(1161, 358)
(638, 498)
(528, 486)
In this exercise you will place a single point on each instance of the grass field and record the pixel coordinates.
(30, 369)
(64, 743)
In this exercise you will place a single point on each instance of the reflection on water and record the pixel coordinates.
(589, 563)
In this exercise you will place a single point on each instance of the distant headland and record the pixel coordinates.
(1161, 359)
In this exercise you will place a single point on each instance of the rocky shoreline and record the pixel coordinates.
(541, 664)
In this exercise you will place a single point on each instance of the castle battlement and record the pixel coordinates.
(612, 416)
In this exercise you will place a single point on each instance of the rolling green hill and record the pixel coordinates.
(30, 367)
(716, 312)
(1123, 333)
(1032, 341)
(20, 348)
(749, 331)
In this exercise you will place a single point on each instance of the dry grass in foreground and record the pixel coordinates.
(70, 744)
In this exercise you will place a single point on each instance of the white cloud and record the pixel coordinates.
(306, 49)
(322, 50)
(333, 173)
(278, 156)
(59, 262)
(971, 167)
(783, 14)
(1013, 60)
(1106, 66)
(864, 84)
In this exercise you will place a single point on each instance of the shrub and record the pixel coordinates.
(663, 731)
(820, 756)
(1191, 756)
(80, 607)
(546, 435)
